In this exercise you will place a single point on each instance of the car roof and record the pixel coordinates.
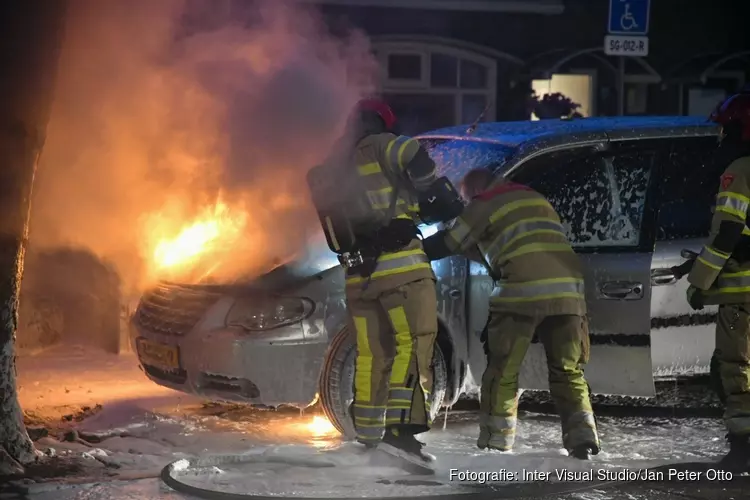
(522, 133)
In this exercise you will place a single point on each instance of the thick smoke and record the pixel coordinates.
(163, 106)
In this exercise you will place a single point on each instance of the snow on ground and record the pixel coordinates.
(142, 427)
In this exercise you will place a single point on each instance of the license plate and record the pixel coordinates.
(157, 354)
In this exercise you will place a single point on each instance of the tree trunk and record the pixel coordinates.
(32, 32)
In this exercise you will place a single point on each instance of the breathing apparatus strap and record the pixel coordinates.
(378, 249)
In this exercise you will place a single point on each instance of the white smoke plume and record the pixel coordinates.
(163, 106)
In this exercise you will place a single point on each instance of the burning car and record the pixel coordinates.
(632, 193)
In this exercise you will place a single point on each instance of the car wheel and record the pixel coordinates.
(716, 383)
(337, 382)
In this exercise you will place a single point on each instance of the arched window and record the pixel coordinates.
(431, 86)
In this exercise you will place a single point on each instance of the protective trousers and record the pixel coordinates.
(733, 355)
(396, 331)
(566, 344)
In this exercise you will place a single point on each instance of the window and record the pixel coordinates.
(446, 85)
(600, 199)
(689, 183)
(454, 158)
(443, 71)
(421, 112)
(473, 75)
(404, 66)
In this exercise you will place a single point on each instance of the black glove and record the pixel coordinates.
(435, 247)
(682, 269)
(695, 297)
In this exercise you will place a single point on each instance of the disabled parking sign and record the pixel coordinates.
(627, 27)
(629, 17)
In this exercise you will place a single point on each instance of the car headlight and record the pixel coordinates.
(267, 313)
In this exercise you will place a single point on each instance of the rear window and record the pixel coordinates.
(455, 157)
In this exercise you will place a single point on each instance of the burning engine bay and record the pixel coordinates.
(180, 154)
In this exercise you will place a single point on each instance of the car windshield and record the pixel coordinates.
(455, 157)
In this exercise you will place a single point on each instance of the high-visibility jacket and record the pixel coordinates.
(376, 157)
(521, 238)
(723, 268)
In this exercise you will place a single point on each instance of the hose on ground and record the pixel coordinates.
(487, 491)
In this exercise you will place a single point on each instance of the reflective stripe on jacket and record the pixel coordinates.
(726, 280)
(380, 158)
(522, 239)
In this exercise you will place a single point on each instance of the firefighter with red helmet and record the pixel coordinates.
(390, 284)
(721, 275)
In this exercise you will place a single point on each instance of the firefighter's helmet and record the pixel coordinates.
(735, 112)
(381, 108)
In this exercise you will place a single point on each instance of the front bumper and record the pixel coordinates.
(211, 360)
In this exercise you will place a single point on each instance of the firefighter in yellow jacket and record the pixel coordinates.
(539, 290)
(393, 304)
(721, 275)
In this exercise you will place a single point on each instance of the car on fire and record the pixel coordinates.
(632, 193)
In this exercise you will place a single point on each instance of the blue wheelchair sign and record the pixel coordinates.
(629, 17)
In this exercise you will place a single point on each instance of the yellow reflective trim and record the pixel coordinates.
(332, 233)
(734, 289)
(370, 407)
(398, 255)
(746, 231)
(719, 254)
(404, 342)
(369, 168)
(739, 274)
(526, 234)
(375, 425)
(550, 296)
(539, 247)
(731, 211)
(363, 372)
(401, 153)
(545, 281)
(390, 272)
(736, 196)
(515, 205)
(708, 264)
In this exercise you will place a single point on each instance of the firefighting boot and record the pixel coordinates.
(404, 445)
(583, 452)
(368, 445)
(738, 458)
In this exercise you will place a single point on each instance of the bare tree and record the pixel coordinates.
(32, 36)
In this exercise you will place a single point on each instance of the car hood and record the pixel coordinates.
(316, 260)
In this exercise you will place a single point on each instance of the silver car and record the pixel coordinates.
(632, 193)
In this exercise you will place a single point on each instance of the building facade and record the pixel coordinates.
(447, 62)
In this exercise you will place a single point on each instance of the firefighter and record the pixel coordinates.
(393, 304)
(539, 290)
(721, 275)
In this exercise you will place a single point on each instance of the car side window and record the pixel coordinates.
(600, 198)
(689, 183)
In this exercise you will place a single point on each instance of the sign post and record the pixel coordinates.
(627, 37)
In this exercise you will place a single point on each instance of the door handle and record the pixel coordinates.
(622, 290)
(662, 277)
(454, 293)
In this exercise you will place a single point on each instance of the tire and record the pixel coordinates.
(336, 383)
(716, 384)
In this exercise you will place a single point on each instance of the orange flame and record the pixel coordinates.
(217, 227)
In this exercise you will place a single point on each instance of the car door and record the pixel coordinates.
(603, 200)
(682, 340)
(463, 286)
